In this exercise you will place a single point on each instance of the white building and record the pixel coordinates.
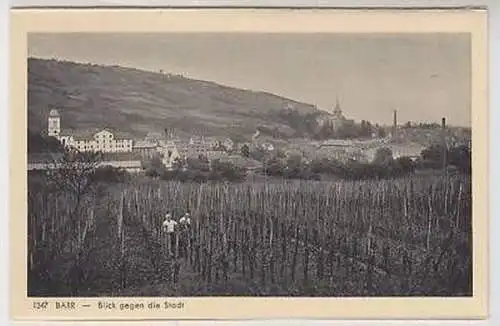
(104, 140)
(170, 153)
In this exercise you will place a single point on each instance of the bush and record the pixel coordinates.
(226, 171)
(154, 167)
(110, 174)
(458, 157)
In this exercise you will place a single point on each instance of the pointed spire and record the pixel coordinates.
(337, 109)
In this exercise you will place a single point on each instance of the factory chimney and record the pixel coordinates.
(395, 123)
(443, 139)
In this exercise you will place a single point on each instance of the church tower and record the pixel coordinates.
(338, 118)
(54, 128)
(337, 111)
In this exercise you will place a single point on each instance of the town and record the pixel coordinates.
(125, 152)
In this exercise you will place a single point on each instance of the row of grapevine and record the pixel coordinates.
(405, 236)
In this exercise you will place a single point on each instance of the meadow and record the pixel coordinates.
(410, 236)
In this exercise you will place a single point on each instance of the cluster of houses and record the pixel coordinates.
(168, 148)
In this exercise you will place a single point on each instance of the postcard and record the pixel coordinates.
(248, 163)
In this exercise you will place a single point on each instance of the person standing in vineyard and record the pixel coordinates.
(169, 228)
(185, 222)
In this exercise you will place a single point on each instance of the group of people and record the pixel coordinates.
(173, 229)
(170, 225)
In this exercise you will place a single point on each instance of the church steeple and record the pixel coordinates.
(337, 110)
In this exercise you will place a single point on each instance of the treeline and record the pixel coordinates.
(349, 130)
(39, 143)
(306, 124)
(383, 166)
(198, 169)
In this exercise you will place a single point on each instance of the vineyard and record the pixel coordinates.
(409, 236)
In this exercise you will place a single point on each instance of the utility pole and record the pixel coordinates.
(445, 147)
(395, 123)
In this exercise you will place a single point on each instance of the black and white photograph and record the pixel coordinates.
(249, 165)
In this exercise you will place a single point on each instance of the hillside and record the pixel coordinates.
(138, 102)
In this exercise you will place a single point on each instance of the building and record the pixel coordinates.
(54, 127)
(104, 139)
(410, 149)
(336, 119)
(147, 149)
(154, 137)
(171, 153)
(268, 147)
(217, 143)
(212, 143)
(133, 166)
(129, 166)
(216, 155)
(228, 144)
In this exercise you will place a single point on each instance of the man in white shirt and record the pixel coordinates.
(185, 222)
(169, 224)
(169, 228)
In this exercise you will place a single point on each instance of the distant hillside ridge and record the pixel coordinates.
(138, 102)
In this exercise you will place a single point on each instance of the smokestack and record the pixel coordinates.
(395, 123)
(445, 147)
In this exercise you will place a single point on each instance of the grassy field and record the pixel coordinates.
(303, 238)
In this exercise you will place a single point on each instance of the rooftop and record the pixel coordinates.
(144, 144)
(53, 113)
(88, 133)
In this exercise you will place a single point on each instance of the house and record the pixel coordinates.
(171, 153)
(103, 139)
(218, 143)
(411, 150)
(228, 144)
(336, 119)
(215, 154)
(145, 148)
(212, 142)
(133, 166)
(154, 137)
(243, 162)
(129, 166)
(267, 147)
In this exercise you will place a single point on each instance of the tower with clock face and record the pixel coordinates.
(54, 127)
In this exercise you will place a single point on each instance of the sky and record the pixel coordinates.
(423, 76)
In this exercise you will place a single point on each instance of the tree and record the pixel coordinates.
(258, 154)
(201, 164)
(74, 174)
(381, 132)
(73, 171)
(383, 156)
(433, 156)
(110, 174)
(245, 151)
(294, 166)
(154, 167)
(226, 171)
(461, 158)
(274, 167)
(38, 143)
(404, 165)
